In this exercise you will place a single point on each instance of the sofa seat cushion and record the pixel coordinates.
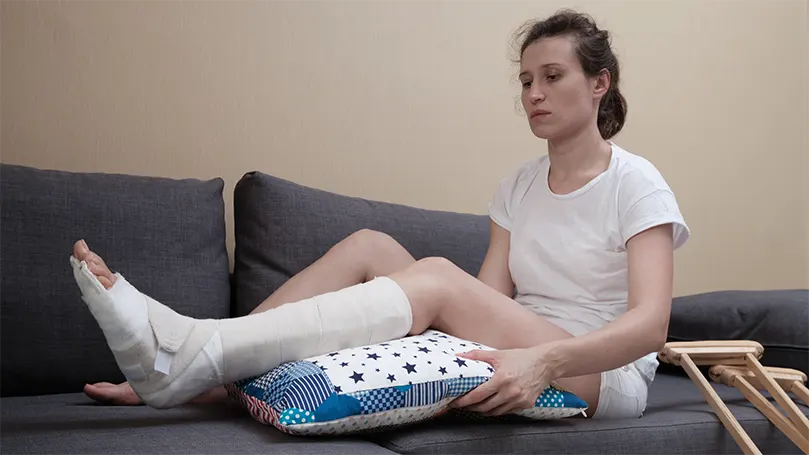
(72, 423)
(166, 236)
(677, 421)
(282, 227)
(775, 318)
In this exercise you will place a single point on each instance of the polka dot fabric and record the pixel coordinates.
(381, 386)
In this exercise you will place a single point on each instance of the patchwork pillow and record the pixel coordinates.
(377, 387)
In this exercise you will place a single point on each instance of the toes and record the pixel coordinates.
(116, 394)
(98, 393)
(102, 273)
(106, 282)
(80, 250)
(94, 262)
(103, 385)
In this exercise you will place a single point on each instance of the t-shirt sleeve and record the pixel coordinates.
(655, 209)
(508, 196)
(648, 202)
(500, 205)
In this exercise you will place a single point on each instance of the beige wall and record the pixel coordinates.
(414, 102)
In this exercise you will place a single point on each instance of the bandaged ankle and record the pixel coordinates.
(141, 331)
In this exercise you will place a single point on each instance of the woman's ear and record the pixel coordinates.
(602, 83)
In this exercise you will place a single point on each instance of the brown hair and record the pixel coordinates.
(594, 53)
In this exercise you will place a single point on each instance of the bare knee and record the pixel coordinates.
(439, 267)
(367, 242)
(367, 237)
(377, 253)
(431, 284)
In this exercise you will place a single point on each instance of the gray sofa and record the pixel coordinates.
(168, 237)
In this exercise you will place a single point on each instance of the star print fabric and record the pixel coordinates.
(372, 387)
(428, 357)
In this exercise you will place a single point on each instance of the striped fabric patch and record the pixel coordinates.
(425, 393)
(307, 392)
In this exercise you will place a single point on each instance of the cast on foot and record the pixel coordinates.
(167, 359)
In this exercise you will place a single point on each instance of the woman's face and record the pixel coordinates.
(558, 98)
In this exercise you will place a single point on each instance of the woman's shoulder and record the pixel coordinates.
(520, 178)
(635, 172)
(512, 189)
(529, 169)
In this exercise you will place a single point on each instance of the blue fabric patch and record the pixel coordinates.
(336, 407)
(307, 392)
(294, 416)
(378, 400)
(555, 398)
(460, 386)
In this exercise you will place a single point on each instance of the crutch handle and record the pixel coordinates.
(713, 352)
(785, 377)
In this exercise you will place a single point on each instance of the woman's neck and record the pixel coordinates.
(582, 155)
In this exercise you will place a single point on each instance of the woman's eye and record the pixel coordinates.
(553, 77)
(526, 84)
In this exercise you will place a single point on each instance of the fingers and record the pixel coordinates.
(506, 397)
(519, 403)
(500, 399)
(489, 357)
(506, 408)
(476, 395)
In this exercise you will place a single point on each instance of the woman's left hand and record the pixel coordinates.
(520, 377)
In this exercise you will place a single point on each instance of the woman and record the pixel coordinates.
(575, 288)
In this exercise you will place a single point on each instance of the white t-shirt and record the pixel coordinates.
(568, 256)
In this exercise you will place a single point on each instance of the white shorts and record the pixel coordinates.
(623, 394)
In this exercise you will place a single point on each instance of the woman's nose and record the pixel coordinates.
(536, 95)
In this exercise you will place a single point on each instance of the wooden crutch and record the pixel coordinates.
(792, 381)
(749, 385)
(689, 354)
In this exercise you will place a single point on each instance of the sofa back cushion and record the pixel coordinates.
(282, 227)
(167, 237)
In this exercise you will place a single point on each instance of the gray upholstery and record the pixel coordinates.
(167, 237)
(282, 227)
(677, 421)
(72, 423)
(778, 319)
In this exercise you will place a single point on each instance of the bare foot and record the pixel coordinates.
(123, 395)
(117, 394)
(82, 252)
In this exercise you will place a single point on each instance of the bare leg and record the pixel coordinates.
(446, 298)
(356, 259)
